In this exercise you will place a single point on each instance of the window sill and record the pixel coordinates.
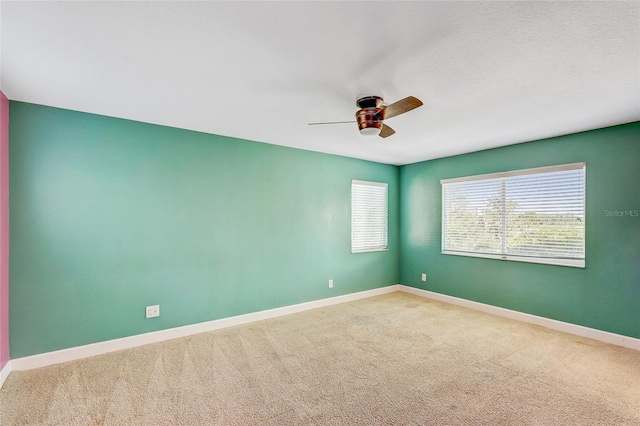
(369, 250)
(572, 263)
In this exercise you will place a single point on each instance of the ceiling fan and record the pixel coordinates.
(373, 112)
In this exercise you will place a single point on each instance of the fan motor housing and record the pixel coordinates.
(369, 120)
(370, 115)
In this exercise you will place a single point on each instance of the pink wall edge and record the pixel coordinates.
(4, 230)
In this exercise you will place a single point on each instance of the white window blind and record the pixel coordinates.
(369, 216)
(534, 215)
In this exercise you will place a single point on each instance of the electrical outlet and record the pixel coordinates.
(424, 277)
(153, 311)
(330, 283)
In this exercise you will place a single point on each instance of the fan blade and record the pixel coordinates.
(386, 131)
(332, 122)
(402, 106)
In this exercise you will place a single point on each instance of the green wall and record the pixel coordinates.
(108, 216)
(605, 295)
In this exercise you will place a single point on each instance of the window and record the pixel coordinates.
(534, 215)
(369, 216)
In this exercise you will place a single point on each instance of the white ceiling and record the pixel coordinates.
(489, 73)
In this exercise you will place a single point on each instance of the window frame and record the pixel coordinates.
(371, 247)
(504, 255)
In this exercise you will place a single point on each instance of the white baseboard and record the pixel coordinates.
(71, 354)
(78, 352)
(578, 330)
(4, 373)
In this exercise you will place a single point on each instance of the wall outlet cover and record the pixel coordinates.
(152, 311)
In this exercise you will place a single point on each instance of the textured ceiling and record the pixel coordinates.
(489, 73)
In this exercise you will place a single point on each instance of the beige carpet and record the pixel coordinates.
(395, 359)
